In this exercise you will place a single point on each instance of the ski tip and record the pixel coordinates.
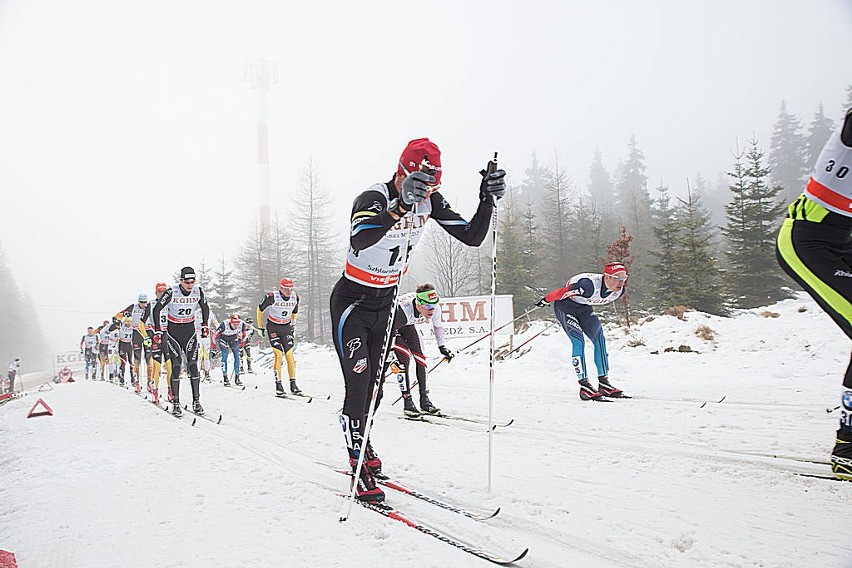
(220, 420)
(310, 398)
(520, 556)
(723, 398)
(495, 513)
(703, 404)
(509, 423)
(193, 421)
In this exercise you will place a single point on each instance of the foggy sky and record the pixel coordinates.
(127, 133)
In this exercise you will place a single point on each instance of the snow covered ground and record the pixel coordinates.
(660, 480)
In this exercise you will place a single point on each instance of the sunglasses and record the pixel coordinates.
(429, 307)
(619, 278)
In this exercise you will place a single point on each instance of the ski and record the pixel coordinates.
(204, 416)
(235, 387)
(166, 409)
(391, 484)
(397, 515)
(472, 419)
(826, 476)
(290, 396)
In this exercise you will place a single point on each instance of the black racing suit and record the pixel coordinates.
(182, 341)
(359, 313)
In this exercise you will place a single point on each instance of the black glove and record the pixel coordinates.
(415, 188)
(493, 185)
(448, 355)
(541, 303)
(262, 331)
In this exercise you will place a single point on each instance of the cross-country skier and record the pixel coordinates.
(282, 309)
(246, 347)
(572, 305)
(159, 351)
(417, 307)
(384, 228)
(89, 349)
(229, 335)
(814, 247)
(181, 301)
(103, 346)
(14, 369)
(125, 352)
(138, 313)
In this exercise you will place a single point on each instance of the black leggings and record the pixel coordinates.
(818, 257)
(359, 319)
(183, 342)
(407, 345)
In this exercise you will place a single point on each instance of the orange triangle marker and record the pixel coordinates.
(46, 412)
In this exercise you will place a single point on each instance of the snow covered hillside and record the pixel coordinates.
(673, 477)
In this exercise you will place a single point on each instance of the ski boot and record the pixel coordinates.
(366, 488)
(606, 389)
(409, 409)
(294, 388)
(372, 461)
(587, 391)
(150, 385)
(841, 456)
(427, 407)
(155, 396)
(137, 387)
(169, 396)
(176, 409)
(279, 390)
(226, 381)
(237, 381)
(196, 407)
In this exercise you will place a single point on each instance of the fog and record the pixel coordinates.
(128, 134)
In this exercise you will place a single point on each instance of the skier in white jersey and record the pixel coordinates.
(282, 309)
(383, 220)
(89, 349)
(814, 247)
(181, 301)
(572, 305)
(416, 307)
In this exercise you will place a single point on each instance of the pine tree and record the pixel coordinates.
(634, 210)
(22, 337)
(221, 292)
(787, 154)
(754, 215)
(600, 185)
(514, 269)
(534, 182)
(555, 241)
(667, 270)
(699, 273)
(819, 131)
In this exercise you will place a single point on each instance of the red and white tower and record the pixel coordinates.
(262, 75)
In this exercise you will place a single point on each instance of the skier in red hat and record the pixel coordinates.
(572, 305)
(387, 222)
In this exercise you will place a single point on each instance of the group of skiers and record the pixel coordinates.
(175, 330)
(373, 324)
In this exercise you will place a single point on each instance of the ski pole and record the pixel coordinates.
(491, 168)
(548, 326)
(379, 371)
(469, 345)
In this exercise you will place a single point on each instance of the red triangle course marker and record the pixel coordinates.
(46, 412)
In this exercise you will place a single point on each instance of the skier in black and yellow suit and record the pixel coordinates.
(814, 247)
(282, 308)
